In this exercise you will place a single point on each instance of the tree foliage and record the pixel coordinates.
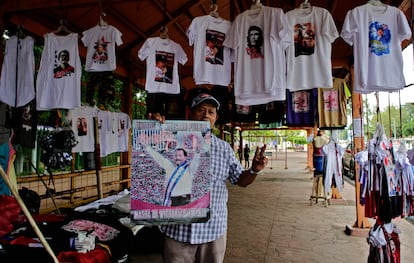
(397, 122)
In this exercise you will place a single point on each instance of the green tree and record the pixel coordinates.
(397, 122)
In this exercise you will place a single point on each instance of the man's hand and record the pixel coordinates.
(259, 160)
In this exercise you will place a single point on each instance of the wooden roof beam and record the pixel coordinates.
(157, 27)
(171, 17)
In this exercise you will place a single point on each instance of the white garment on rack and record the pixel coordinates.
(100, 42)
(216, 69)
(376, 34)
(20, 93)
(165, 78)
(309, 59)
(82, 123)
(260, 68)
(59, 87)
(333, 170)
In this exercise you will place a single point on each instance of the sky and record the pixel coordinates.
(406, 94)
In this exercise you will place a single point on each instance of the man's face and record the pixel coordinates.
(380, 32)
(253, 36)
(205, 112)
(160, 64)
(179, 157)
(100, 48)
(64, 57)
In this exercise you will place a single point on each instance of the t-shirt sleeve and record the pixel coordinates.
(192, 32)
(284, 30)
(182, 56)
(231, 40)
(348, 28)
(85, 38)
(403, 26)
(118, 37)
(329, 27)
(144, 51)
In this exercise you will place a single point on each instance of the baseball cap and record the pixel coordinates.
(204, 97)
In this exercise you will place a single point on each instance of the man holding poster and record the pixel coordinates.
(206, 242)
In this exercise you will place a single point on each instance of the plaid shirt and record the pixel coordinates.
(224, 165)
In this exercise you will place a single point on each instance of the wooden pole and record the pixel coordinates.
(28, 215)
(98, 158)
(361, 221)
(310, 150)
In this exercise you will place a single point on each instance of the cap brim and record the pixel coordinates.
(209, 99)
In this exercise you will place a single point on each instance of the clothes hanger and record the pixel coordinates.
(256, 5)
(213, 11)
(20, 32)
(255, 8)
(305, 5)
(62, 29)
(102, 22)
(164, 28)
(375, 3)
(164, 32)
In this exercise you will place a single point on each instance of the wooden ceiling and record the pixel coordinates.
(140, 19)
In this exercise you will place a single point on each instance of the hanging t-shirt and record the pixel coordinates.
(18, 66)
(212, 61)
(259, 38)
(103, 120)
(124, 124)
(333, 153)
(332, 105)
(162, 57)
(25, 125)
(376, 34)
(82, 123)
(309, 59)
(100, 42)
(59, 79)
(244, 113)
(108, 139)
(301, 108)
(271, 114)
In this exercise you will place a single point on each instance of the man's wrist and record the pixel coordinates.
(251, 171)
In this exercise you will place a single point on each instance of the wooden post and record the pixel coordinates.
(98, 164)
(310, 151)
(358, 137)
(361, 221)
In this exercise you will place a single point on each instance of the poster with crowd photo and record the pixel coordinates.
(170, 180)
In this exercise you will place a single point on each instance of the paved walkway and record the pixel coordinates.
(272, 221)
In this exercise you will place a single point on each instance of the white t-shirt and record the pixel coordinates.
(212, 61)
(109, 132)
(124, 124)
(162, 57)
(100, 42)
(309, 59)
(104, 118)
(59, 78)
(260, 63)
(376, 34)
(82, 122)
(24, 92)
